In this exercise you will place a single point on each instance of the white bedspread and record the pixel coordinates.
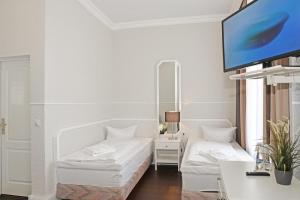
(207, 153)
(106, 175)
(122, 148)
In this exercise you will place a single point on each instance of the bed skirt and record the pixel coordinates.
(85, 192)
(189, 195)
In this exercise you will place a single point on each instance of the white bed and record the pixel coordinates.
(78, 170)
(200, 173)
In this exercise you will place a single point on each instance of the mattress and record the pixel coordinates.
(105, 175)
(204, 178)
(241, 155)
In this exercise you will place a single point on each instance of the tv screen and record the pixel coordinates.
(263, 31)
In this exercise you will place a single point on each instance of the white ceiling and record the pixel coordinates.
(126, 11)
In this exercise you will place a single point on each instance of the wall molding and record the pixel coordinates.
(101, 122)
(96, 12)
(134, 119)
(170, 21)
(130, 102)
(99, 14)
(207, 120)
(66, 103)
(15, 58)
(138, 119)
(208, 102)
(133, 102)
(183, 102)
(82, 126)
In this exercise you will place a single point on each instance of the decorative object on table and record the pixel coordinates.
(267, 165)
(263, 161)
(163, 128)
(259, 156)
(172, 118)
(283, 151)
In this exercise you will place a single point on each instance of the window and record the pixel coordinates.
(254, 111)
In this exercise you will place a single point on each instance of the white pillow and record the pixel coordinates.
(225, 135)
(117, 133)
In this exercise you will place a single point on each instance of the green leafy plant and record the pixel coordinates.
(283, 151)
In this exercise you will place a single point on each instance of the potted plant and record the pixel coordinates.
(283, 151)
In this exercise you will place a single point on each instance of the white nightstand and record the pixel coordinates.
(168, 152)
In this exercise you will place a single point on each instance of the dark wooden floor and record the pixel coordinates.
(163, 184)
(8, 197)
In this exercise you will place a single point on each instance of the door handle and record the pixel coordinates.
(3, 126)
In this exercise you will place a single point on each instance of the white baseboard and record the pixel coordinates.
(37, 197)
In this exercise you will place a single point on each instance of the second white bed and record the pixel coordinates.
(202, 175)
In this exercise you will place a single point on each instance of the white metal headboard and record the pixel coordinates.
(192, 127)
(75, 138)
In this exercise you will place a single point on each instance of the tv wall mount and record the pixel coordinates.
(273, 75)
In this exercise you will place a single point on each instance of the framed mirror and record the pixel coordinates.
(168, 96)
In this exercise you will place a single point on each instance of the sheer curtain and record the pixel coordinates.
(295, 115)
(277, 102)
(254, 111)
(241, 111)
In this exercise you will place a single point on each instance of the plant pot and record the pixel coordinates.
(283, 177)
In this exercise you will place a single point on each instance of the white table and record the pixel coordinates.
(168, 152)
(238, 186)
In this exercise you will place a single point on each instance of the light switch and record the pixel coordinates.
(37, 123)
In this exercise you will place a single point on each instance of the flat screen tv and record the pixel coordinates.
(263, 31)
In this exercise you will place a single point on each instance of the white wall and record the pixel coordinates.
(82, 73)
(22, 33)
(206, 90)
(237, 4)
(78, 67)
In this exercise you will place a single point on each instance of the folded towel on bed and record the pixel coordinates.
(201, 160)
(100, 149)
(209, 156)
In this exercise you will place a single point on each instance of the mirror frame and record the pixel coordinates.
(178, 66)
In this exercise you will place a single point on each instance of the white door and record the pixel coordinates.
(15, 128)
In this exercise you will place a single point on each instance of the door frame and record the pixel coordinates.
(8, 59)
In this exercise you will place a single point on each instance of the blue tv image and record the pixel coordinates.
(263, 31)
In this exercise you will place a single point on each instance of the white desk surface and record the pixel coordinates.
(238, 186)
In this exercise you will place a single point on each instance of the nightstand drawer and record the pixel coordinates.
(167, 145)
(167, 152)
